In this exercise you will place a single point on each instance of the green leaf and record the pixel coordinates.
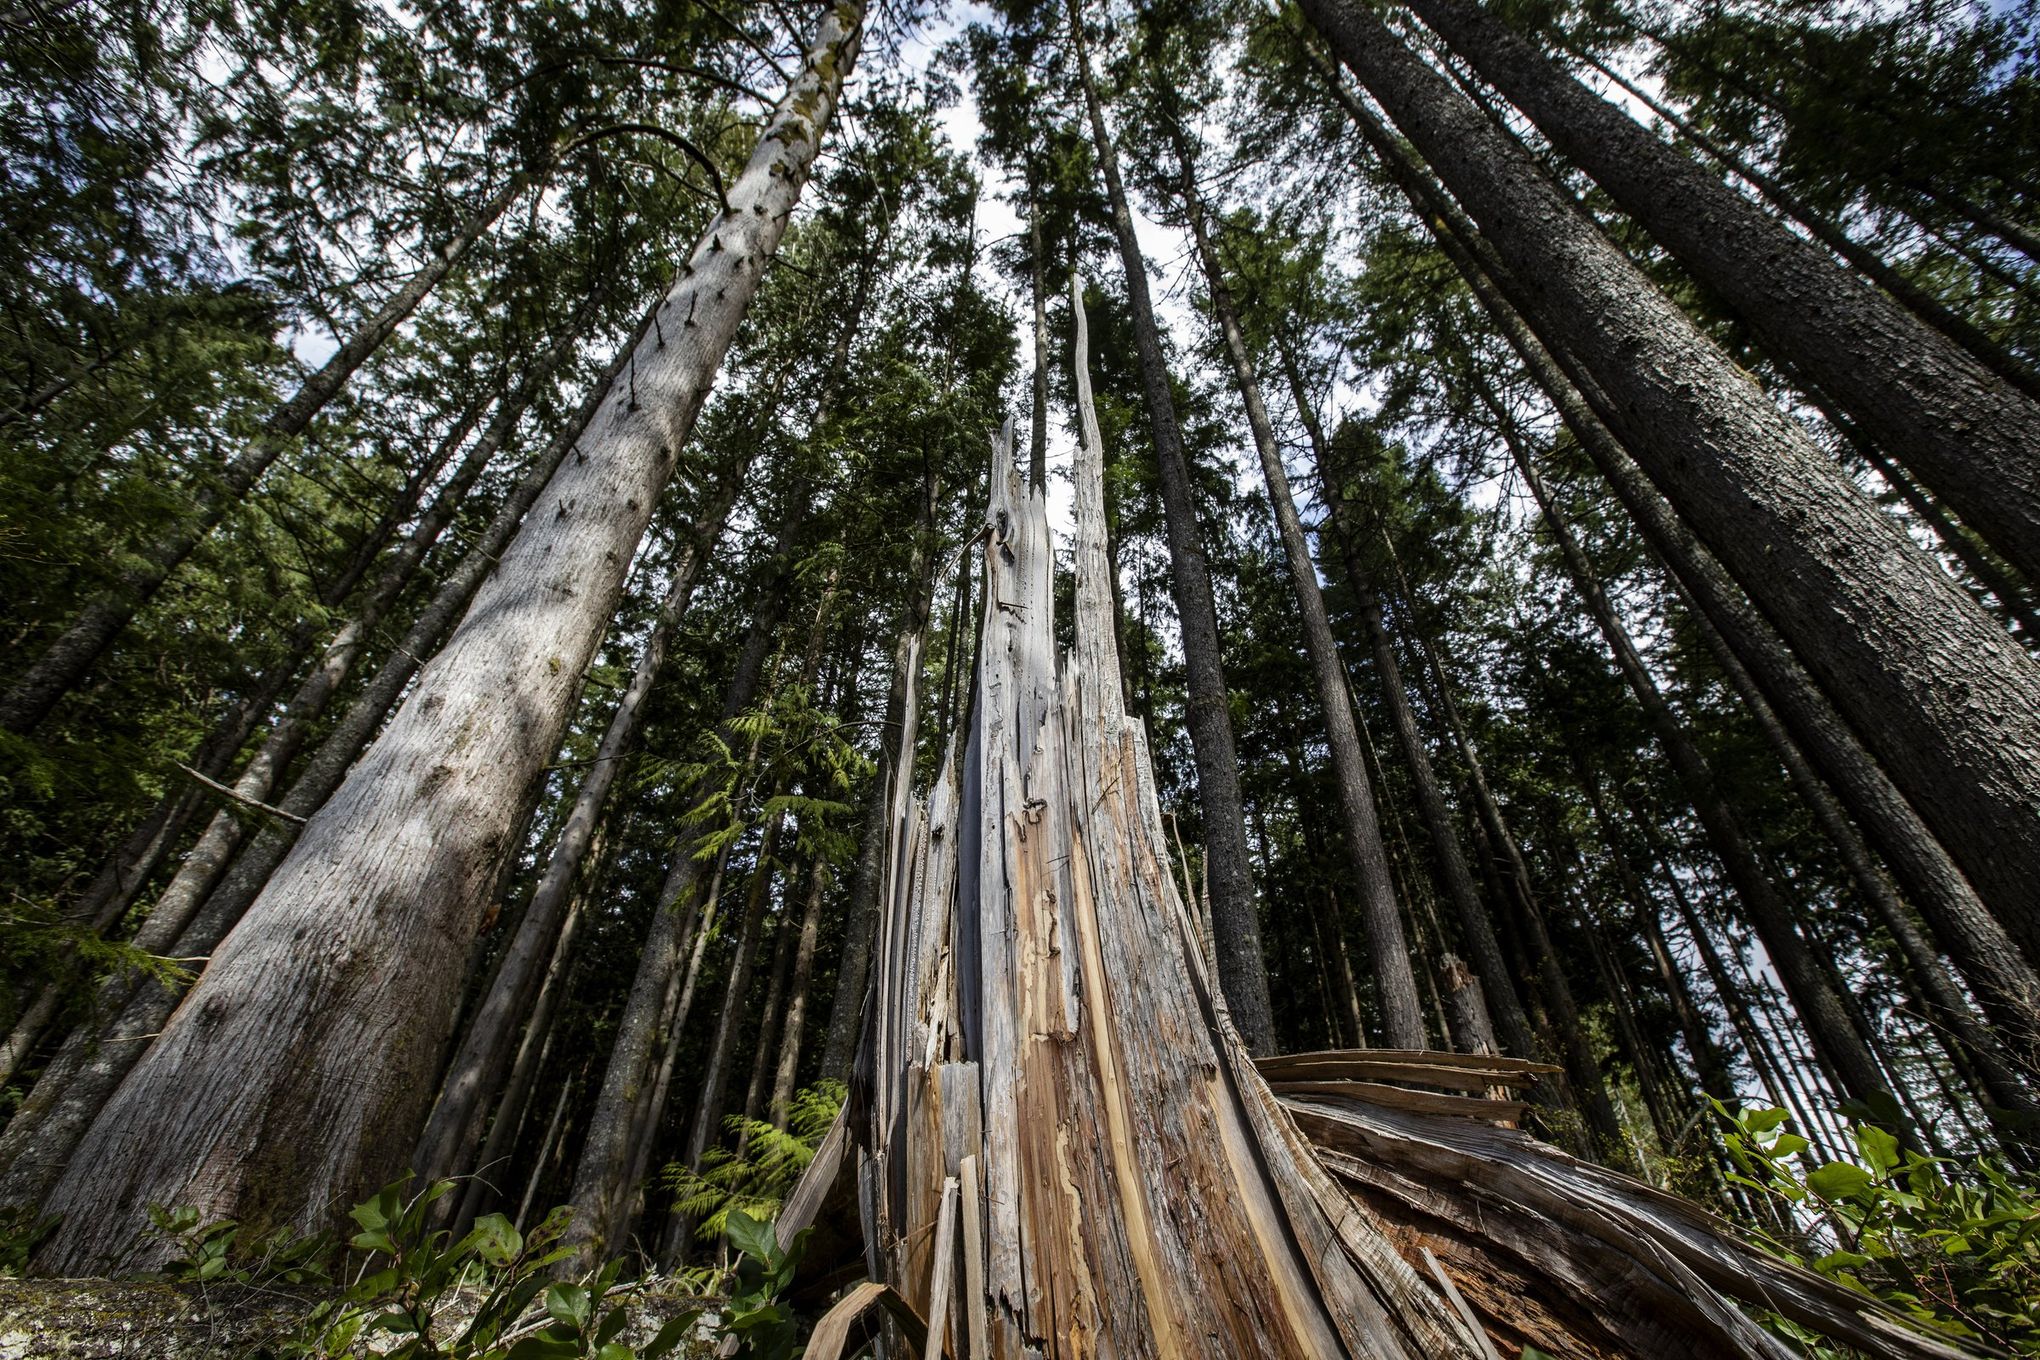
(611, 1351)
(1763, 1121)
(1838, 1180)
(1789, 1145)
(1879, 1148)
(543, 1347)
(495, 1240)
(750, 1236)
(569, 1304)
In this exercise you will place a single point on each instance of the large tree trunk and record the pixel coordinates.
(1236, 924)
(2006, 985)
(64, 663)
(257, 1102)
(1830, 234)
(1948, 701)
(478, 1067)
(1967, 433)
(1367, 857)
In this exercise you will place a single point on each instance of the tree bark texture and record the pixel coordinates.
(1948, 701)
(1236, 924)
(256, 1102)
(64, 663)
(1966, 432)
(478, 1068)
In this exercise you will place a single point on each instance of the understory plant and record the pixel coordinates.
(1954, 1246)
(760, 1173)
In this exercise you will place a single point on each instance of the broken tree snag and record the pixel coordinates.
(1062, 1148)
(1045, 1030)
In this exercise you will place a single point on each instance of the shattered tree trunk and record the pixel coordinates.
(1062, 1148)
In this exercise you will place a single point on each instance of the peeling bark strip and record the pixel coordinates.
(261, 1102)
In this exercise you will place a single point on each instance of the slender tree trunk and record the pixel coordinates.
(1708, 1061)
(477, 1069)
(787, 1066)
(64, 663)
(769, 1033)
(601, 1177)
(1235, 919)
(514, 1097)
(1819, 1004)
(1948, 701)
(1366, 857)
(1966, 432)
(256, 1102)
(710, 1103)
(1342, 961)
(860, 910)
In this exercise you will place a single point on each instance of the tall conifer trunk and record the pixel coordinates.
(1236, 924)
(1366, 856)
(1948, 701)
(256, 1103)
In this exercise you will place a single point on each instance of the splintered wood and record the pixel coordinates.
(1061, 1148)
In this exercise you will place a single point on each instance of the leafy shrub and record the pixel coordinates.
(1955, 1247)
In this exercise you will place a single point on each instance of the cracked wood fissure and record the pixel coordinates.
(255, 1103)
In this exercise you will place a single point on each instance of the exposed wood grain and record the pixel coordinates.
(832, 1333)
(1401, 1098)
